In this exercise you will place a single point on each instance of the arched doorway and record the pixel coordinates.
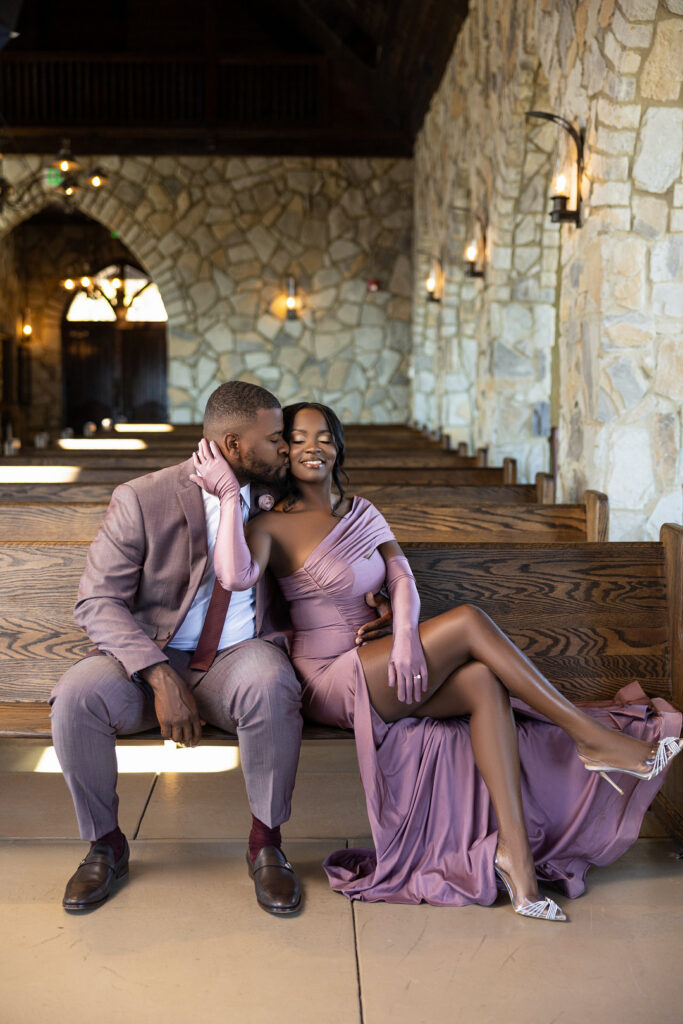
(114, 348)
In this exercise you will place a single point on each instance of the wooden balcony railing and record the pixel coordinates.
(38, 90)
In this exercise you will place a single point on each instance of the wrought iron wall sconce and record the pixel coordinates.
(434, 282)
(475, 251)
(560, 213)
(292, 301)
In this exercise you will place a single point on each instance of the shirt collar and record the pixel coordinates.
(245, 496)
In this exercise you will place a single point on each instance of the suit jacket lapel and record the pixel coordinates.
(190, 498)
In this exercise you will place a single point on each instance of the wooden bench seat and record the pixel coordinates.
(414, 521)
(31, 720)
(593, 617)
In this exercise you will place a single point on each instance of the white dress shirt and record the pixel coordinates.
(239, 622)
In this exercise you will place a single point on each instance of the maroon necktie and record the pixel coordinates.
(210, 636)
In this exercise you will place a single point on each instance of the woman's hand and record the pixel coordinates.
(407, 666)
(214, 473)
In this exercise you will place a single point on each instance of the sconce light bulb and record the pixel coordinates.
(430, 284)
(68, 191)
(64, 166)
(471, 252)
(85, 282)
(27, 330)
(95, 181)
(561, 185)
(291, 302)
(69, 284)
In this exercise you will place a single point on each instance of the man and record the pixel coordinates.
(173, 647)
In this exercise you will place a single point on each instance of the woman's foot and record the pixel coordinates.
(518, 876)
(516, 862)
(614, 748)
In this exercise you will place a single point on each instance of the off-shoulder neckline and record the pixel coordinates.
(355, 499)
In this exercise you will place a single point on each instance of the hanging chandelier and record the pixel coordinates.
(63, 177)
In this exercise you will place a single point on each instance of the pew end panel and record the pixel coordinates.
(668, 807)
(545, 488)
(509, 471)
(597, 515)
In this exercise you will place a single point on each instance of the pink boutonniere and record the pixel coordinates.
(266, 502)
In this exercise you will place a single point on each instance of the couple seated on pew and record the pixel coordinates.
(189, 627)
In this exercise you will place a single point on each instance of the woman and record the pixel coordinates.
(407, 698)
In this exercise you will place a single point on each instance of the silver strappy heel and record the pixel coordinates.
(544, 910)
(664, 755)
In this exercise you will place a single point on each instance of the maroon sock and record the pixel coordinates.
(116, 840)
(261, 836)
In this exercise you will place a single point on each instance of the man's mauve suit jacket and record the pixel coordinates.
(145, 565)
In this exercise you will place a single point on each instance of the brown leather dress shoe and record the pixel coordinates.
(91, 883)
(277, 887)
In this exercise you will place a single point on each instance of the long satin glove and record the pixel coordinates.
(407, 665)
(232, 559)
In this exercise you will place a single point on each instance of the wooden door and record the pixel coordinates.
(114, 372)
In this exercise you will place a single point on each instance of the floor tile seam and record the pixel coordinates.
(146, 805)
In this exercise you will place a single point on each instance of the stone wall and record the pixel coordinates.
(477, 162)
(220, 236)
(588, 320)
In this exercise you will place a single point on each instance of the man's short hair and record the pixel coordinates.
(236, 402)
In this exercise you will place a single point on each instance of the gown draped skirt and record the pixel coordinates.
(432, 821)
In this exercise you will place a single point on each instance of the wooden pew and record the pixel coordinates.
(143, 462)
(592, 617)
(84, 474)
(542, 491)
(427, 522)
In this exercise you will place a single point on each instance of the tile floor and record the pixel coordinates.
(183, 939)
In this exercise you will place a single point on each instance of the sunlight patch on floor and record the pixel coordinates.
(160, 758)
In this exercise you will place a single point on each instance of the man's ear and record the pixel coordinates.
(229, 445)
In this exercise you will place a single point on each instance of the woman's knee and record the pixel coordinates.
(466, 621)
(483, 685)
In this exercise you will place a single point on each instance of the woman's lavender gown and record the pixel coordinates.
(431, 816)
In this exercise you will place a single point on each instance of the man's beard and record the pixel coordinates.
(259, 472)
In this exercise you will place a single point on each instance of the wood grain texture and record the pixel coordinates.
(422, 520)
(545, 488)
(425, 477)
(38, 636)
(597, 515)
(54, 521)
(671, 537)
(591, 616)
(436, 493)
(445, 494)
(110, 476)
(434, 523)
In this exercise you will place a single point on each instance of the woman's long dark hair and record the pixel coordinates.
(336, 430)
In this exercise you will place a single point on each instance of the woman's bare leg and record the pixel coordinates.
(467, 634)
(474, 690)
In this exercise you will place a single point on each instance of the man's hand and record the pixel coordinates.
(174, 705)
(376, 627)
